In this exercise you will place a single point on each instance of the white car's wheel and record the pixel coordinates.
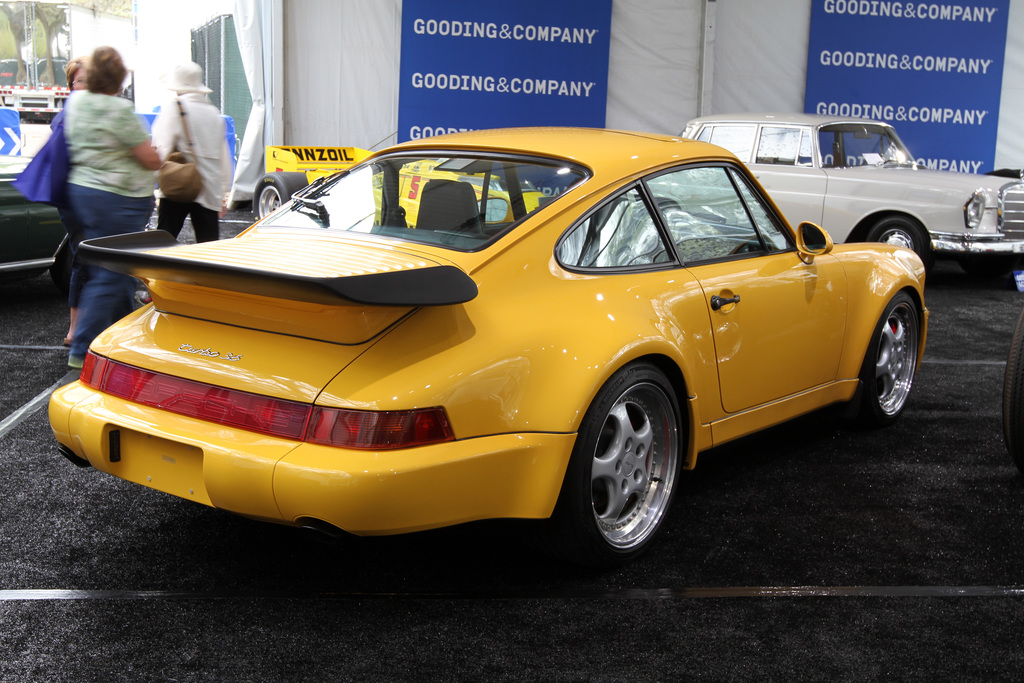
(904, 232)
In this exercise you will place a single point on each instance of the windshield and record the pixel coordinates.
(461, 202)
(862, 144)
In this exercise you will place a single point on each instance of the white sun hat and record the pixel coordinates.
(186, 78)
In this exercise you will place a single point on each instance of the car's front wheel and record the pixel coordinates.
(887, 374)
(623, 471)
(1013, 396)
(903, 232)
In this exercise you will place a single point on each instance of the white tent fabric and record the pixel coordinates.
(760, 56)
(341, 70)
(248, 29)
(653, 64)
(337, 63)
(1010, 139)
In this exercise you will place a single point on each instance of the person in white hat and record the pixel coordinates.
(192, 111)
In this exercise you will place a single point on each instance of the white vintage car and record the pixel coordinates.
(858, 180)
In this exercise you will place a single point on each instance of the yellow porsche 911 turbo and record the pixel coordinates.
(570, 319)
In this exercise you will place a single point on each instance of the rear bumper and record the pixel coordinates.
(361, 492)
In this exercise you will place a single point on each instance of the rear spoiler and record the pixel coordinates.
(133, 254)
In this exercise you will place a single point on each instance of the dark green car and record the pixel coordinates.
(32, 237)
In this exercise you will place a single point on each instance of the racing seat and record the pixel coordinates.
(449, 206)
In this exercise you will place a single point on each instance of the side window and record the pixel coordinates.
(774, 238)
(620, 234)
(737, 139)
(705, 216)
(778, 145)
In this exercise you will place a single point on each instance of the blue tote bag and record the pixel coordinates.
(45, 179)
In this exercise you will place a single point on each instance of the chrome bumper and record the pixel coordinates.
(963, 243)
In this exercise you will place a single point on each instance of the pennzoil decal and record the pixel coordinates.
(209, 353)
(322, 153)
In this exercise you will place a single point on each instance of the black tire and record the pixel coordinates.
(273, 190)
(60, 271)
(887, 374)
(623, 471)
(904, 232)
(1013, 396)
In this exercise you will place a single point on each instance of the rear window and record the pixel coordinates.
(737, 138)
(462, 202)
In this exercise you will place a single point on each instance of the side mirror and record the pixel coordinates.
(811, 241)
(496, 210)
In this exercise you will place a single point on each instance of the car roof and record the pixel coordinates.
(786, 118)
(600, 149)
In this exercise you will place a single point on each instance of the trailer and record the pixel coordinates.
(34, 105)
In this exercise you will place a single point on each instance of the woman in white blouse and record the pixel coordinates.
(209, 148)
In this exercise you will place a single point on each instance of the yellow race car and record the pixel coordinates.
(555, 345)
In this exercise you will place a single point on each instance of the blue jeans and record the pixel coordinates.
(106, 296)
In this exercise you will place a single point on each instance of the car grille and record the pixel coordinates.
(1011, 204)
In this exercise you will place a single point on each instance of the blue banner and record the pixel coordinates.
(932, 69)
(471, 65)
(10, 131)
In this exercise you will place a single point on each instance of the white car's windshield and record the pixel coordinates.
(861, 144)
(462, 202)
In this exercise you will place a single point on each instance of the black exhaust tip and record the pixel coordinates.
(72, 456)
(322, 532)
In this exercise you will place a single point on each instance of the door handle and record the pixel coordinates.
(717, 301)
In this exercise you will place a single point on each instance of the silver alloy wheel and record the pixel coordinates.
(634, 465)
(897, 358)
(897, 238)
(268, 201)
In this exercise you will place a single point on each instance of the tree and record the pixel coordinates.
(15, 13)
(50, 19)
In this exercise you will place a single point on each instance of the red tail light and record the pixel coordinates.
(378, 430)
(360, 429)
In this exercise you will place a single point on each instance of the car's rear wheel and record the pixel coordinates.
(622, 473)
(888, 371)
(1013, 396)
(274, 189)
(904, 232)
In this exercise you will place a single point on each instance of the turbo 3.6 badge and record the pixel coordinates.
(209, 353)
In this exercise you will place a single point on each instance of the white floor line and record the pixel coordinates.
(697, 592)
(29, 409)
(22, 347)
